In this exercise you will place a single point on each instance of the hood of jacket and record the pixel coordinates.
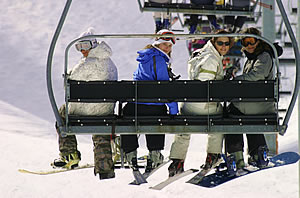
(263, 47)
(146, 54)
(101, 51)
(96, 66)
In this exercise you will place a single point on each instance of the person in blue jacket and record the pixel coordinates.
(154, 64)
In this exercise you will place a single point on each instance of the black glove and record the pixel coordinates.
(172, 75)
(229, 73)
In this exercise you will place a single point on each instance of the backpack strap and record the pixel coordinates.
(154, 66)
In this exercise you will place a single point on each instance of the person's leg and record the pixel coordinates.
(258, 150)
(157, 21)
(254, 142)
(193, 23)
(104, 165)
(66, 144)
(129, 143)
(239, 22)
(69, 155)
(229, 21)
(234, 145)
(178, 153)
(214, 150)
(166, 21)
(156, 142)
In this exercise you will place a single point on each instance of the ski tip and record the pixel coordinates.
(153, 188)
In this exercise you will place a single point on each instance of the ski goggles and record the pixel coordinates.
(83, 45)
(249, 41)
(221, 43)
(172, 39)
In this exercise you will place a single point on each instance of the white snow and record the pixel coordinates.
(28, 137)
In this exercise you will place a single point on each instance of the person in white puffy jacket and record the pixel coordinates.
(204, 64)
(94, 65)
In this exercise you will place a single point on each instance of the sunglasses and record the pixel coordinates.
(83, 45)
(168, 38)
(249, 41)
(221, 43)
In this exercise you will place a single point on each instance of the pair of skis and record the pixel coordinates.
(142, 178)
(202, 178)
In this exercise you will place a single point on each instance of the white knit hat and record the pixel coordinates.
(90, 31)
(160, 40)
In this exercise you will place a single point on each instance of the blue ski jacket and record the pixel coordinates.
(145, 71)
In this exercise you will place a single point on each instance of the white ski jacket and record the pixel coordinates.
(96, 66)
(207, 65)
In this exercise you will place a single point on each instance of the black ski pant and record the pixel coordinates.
(234, 143)
(154, 142)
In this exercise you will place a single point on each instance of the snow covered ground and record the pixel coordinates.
(28, 139)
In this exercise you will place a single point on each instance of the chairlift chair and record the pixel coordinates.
(167, 91)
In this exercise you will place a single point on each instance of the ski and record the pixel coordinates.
(198, 178)
(173, 179)
(148, 174)
(173, 21)
(139, 178)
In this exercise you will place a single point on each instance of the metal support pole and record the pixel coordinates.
(298, 39)
(269, 32)
(49, 65)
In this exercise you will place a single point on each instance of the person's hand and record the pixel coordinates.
(230, 73)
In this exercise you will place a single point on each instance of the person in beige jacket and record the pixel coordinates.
(204, 64)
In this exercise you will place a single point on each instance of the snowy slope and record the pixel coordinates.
(29, 142)
(28, 138)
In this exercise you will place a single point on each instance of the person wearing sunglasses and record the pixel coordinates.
(204, 64)
(94, 65)
(258, 66)
(153, 64)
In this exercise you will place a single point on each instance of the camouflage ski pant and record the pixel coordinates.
(102, 147)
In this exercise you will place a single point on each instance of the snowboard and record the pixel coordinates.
(84, 166)
(222, 177)
(53, 171)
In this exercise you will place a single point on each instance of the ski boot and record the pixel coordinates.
(131, 159)
(154, 160)
(214, 25)
(193, 29)
(68, 161)
(156, 157)
(108, 175)
(158, 25)
(177, 166)
(240, 164)
(230, 162)
(148, 168)
(260, 159)
(166, 24)
(212, 160)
